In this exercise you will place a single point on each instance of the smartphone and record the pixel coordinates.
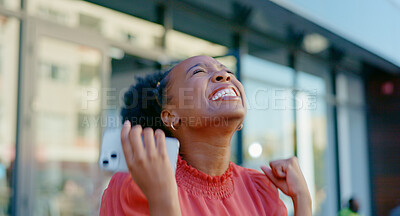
(112, 156)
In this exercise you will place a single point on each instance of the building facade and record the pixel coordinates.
(64, 66)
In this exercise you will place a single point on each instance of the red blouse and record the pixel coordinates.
(239, 191)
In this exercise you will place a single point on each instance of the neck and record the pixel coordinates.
(206, 149)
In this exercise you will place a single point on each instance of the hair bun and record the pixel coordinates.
(143, 101)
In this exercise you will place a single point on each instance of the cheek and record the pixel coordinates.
(242, 91)
(197, 92)
(190, 98)
(240, 87)
(199, 102)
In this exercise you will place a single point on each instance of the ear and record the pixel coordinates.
(167, 117)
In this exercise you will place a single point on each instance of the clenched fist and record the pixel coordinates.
(287, 176)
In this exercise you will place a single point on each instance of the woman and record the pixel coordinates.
(202, 104)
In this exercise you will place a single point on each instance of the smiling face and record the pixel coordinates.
(201, 88)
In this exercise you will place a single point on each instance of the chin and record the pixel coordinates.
(230, 114)
(230, 109)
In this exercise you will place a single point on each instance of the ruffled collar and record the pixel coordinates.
(198, 183)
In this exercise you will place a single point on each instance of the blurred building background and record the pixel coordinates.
(321, 78)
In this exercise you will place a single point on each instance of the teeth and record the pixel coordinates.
(223, 92)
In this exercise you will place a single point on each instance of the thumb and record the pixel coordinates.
(270, 175)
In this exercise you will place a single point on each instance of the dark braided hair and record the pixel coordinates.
(144, 101)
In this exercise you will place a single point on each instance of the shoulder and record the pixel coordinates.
(259, 179)
(123, 197)
(118, 179)
(264, 188)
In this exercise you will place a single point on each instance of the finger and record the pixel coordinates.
(278, 182)
(148, 137)
(126, 145)
(278, 169)
(271, 176)
(135, 138)
(160, 140)
(294, 163)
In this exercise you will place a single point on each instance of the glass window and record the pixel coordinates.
(67, 129)
(262, 70)
(311, 120)
(271, 130)
(53, 72)
(182, 46)
(11, 4)
(269, 127)
(9, 38)
(91, 22)
(269, 124)
(347, 84)
(312, 130)
(110, 24)
(88, 74)
(311, 83)
(353, 151)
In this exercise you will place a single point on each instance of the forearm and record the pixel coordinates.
(165, 207)
(302, 205)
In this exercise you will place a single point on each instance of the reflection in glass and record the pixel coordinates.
(270, 130)
(312, 136)
(182, 46)
(269, 123)
(9, 37)
(352, 139)
(110, 24)
(311, 83)
(269, 127)
(11, 4)
(312, 140)
(262, 70)
(67, 129)
(123, 28)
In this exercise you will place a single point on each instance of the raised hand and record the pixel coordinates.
(287, 176)
(149, 167)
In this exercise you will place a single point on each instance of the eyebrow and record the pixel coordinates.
(204, 65)
(198, 64)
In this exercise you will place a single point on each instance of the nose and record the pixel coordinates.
(221, 76)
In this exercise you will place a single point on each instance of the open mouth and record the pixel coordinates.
(223, 94)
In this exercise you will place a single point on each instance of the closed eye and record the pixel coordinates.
(198, 71)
